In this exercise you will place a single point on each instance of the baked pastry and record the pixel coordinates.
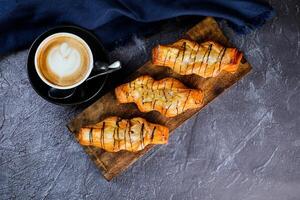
(168, 96)
(114, 134)
(207, 59)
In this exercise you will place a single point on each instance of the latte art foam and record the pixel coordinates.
(63, 60)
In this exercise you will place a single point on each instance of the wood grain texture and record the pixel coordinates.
(112, 164)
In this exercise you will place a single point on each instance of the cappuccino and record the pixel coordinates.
(63, 60)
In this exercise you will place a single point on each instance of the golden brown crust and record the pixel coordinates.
(187, 57)
(168, 96)
(114, 134)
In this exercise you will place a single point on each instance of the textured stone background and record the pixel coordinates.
(244, 145)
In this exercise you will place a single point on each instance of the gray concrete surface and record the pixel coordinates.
(244, 145)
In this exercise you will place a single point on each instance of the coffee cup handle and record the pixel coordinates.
(60, 94)
(101, 68)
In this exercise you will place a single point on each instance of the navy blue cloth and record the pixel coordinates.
(22, 21)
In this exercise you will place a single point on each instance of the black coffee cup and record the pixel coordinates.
(88, 91)
(63, 59)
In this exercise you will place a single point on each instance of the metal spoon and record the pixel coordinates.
(106, 68)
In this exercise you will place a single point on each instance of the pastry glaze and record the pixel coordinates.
(207, 59)
(168, 96)
(114, 134)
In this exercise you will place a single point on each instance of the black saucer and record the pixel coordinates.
(87, 91)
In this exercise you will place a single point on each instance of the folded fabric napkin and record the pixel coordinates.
(22, 21)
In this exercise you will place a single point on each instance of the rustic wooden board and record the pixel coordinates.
(112, 164)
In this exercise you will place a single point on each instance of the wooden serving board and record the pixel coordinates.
(112, 164)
